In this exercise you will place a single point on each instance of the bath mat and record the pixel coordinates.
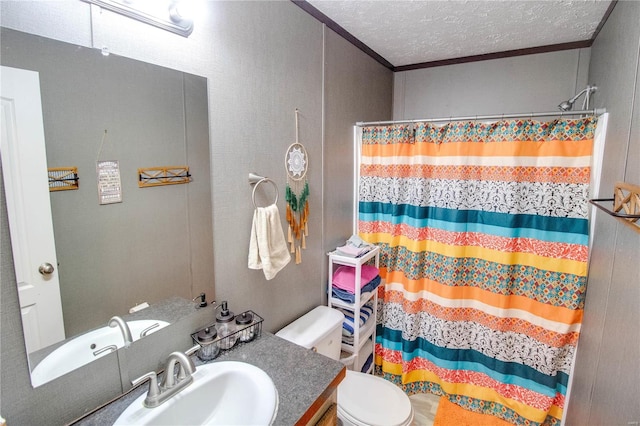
(450, 414)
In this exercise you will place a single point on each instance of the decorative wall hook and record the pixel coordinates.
(626, 204)
(63, 178)
(158, 176)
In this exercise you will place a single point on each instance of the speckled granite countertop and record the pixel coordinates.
(301, 377)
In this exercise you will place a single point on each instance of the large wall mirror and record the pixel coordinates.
(154, 246)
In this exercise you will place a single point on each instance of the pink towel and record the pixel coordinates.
(345, 277)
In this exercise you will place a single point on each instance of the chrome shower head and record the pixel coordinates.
(568, 105)
(565, 106)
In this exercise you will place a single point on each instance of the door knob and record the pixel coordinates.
(46, 268)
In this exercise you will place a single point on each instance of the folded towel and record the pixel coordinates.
(365, 313)
(267, 247)
(351, 251)
(356, 241)
(373, 284)
(350, 297)
(348, 340)
(344, 295)
(367, 363)
(344, 277)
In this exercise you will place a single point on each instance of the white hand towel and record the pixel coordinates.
(267, 248)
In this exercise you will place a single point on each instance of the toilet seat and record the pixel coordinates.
(367, 400)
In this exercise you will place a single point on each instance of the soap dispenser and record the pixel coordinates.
(226, 327)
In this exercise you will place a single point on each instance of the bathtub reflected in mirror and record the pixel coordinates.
(56, 360)
(87, 347)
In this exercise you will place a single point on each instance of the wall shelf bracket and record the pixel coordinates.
(626, 204)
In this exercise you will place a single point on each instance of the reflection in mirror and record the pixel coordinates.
(61, 358)
(154, 245)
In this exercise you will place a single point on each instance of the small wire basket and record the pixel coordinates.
(248, 327)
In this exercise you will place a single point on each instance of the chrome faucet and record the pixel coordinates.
(173, 383)
(187, 368)
(124, 328)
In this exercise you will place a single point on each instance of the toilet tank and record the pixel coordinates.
(320, 328)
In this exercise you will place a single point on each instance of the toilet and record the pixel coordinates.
(363, 399)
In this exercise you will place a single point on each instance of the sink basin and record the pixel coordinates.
(222, 393)
(80, 350)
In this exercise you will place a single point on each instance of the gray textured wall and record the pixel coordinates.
(262, 60)
(357, 89)
(154, 116)
(261, 77)
(606, 382)
(531, 83)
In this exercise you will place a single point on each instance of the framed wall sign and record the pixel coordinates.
(109, 186)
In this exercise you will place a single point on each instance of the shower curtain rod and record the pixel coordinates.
(595, 111)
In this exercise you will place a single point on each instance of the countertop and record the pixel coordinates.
(301, 377)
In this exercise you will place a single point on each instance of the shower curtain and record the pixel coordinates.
(483, 231)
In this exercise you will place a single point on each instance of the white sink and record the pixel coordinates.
(85, 348)
(222, 393)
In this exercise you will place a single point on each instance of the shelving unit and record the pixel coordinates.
(368, 330)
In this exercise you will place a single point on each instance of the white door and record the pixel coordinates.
(24, 166)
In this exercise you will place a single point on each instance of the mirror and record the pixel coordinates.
(154, 245)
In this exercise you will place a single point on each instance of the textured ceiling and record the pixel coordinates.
(406, 32)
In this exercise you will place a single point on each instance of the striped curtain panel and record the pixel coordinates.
(483, 232)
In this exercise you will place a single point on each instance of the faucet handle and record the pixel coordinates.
(154, 389)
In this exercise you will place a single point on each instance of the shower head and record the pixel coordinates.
(568, 105)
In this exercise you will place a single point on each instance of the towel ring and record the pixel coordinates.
(256, 181)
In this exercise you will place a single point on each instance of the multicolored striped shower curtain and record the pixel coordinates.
(483, 232)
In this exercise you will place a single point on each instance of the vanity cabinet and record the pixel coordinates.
(353, 354)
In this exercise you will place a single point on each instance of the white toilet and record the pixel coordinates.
(363, 399)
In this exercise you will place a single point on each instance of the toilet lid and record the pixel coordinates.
(371, 400)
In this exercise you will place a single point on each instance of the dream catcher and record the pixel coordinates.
(296, 163)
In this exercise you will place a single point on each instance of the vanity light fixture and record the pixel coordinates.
(169, 15)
